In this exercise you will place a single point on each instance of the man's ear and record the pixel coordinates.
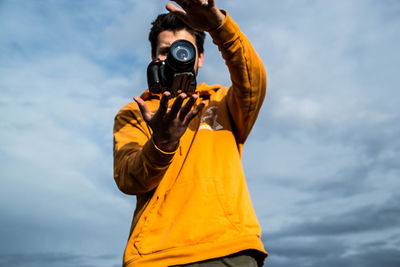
(201, 60)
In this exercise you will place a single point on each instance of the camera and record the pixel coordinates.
(176, 73)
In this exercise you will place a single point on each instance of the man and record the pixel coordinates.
(182, 157)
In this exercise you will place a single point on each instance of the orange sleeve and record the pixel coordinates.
(138, 164)
(249, 80)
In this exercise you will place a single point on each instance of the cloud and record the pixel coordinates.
(57, 106)
(322, 158)
(321, 161)
(55, 259)
(330, 252)
(365, 236)
(368, 218)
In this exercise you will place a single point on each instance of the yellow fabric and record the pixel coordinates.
(193, 204)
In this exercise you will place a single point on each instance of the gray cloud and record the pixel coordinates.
(55, 259)
(321, 163)
(342, 237)
(327, 252)
(373, 217)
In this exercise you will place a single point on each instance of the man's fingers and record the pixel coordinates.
(182, 3)
(176, 11)
(187, 107)
(193, 113)
(172, 8)
(185, 4)
(162, 109)
(143, 109)
(176, 106)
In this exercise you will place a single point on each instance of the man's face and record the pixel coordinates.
(165, 40)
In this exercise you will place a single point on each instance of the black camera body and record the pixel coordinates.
(176, 73)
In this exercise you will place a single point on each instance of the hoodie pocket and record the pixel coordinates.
(192, 213)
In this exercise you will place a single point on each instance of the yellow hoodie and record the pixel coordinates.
(193, 204)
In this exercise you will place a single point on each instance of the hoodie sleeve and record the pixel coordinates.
(248, 76)
(139, 164)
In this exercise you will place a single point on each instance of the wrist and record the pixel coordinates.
(166, 146)
(219, 19)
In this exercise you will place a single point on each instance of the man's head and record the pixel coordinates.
(166, 29)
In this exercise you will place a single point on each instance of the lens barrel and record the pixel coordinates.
(181, 56)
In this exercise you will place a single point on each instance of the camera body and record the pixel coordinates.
(176, 73)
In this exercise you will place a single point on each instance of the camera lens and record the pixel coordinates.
(181, 57)
(182, 51)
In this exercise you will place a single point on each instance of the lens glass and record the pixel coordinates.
(182, 54)
(183, 51)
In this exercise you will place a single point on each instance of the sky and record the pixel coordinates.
(322, 162)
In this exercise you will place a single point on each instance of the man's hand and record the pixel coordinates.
(169, 125)
(201, 15)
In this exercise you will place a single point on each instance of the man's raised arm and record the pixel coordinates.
(246, 69)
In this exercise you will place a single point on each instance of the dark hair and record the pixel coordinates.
(169, 22)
